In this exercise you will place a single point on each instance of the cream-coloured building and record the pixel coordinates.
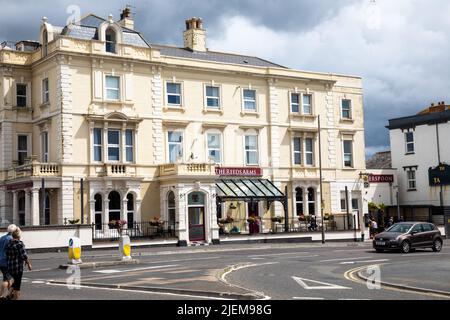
(95, 119)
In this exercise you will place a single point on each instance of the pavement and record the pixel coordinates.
(333, 271)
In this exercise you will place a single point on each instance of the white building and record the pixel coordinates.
(421, 155)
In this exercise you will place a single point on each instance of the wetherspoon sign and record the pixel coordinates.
(382, 178)
(239, 172)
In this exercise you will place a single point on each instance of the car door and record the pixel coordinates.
(428, 234)
(417, 236)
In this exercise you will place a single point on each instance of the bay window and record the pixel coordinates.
(114, 145)
(98, 134)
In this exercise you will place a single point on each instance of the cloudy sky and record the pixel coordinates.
(401, 48)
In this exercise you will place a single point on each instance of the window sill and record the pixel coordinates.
(26, 108)
(349, 169)
(174, 108)
(345, 120)
(409, 153)
(210, 110)
(250, 113)
(45, 104)
(304, 116)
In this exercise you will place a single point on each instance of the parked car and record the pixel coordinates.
(407, 236)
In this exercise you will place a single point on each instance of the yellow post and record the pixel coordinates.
(74, 250)
(125, 248)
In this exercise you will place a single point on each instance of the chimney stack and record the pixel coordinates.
(195, 35)
(126, 19)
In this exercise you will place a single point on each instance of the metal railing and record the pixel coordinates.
(272, 226)
(138, 230)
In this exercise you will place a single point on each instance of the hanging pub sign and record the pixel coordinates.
(239, 172)
(439, 176)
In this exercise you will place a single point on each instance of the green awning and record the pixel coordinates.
(248, 190)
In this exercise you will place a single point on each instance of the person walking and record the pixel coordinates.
(390, 223)
(7, 280)
(373, 228)
(16, 256)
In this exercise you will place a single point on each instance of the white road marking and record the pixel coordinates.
(277, 254)
(364, 261)
(353, 299)
(140, 291)
(135, 269)
(307, 298)
(344, 259)
(38, 282)
(322, 285)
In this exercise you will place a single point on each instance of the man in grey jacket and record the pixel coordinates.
(7, 279)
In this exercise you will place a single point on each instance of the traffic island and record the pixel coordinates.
(101, 264)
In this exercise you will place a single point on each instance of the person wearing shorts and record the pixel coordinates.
(6, 278)
(16, 256)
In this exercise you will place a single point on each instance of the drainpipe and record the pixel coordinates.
(441, 195)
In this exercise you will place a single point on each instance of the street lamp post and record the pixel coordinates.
(321, 187)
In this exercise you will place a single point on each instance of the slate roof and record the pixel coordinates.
(380, 160)
(87, 28)
(417, 120)
(215, 56)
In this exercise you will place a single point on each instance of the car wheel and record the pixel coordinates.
(379, 250)
(405, 247)
(437, 245)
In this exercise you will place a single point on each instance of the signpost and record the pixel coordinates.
(381, 178)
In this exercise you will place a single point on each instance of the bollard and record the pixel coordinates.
(74, 250)
(125, 248)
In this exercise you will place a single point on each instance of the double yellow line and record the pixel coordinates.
(352, 275)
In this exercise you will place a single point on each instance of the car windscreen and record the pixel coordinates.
(400, 228)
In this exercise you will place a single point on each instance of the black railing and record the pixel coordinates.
(138, 230)
(295, 225)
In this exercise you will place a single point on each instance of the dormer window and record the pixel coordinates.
(110, 36)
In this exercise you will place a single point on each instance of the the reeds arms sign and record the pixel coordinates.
(439, 176)
(239, 172)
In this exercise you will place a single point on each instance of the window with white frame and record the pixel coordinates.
(249, 100)
(309, 151)
(214, 147)
(297, 151)
(45, 91)
(295, 102)
(411, 178)
(307, 104)
(112, 87)
(22, 149)
(110, 37)
(346, 109)
(175, 143)
(409, 141)
(212, 97)
(129, 145)
(173, 94)
(44, 147)
(98, 144)
(348, 153)
(114, 145)
(251, 150)
(21, 95)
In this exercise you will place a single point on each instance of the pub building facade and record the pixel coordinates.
(99, 124)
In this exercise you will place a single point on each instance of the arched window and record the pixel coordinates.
(311, 201)
(45, 43)
(111, 39)
(130, 210)
(98, 211)
(171, 208)
(114, 206)
(299, 201)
